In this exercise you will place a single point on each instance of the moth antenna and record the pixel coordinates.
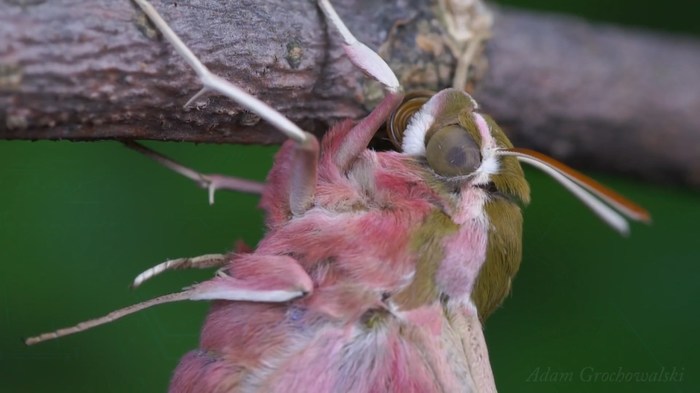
(619, 202)
(214, 82)
(211, 182)
(585, 189)
(200, 262)
(112, 316)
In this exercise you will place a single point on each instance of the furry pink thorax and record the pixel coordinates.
(357, 245)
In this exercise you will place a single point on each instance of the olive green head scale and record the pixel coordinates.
(466, 154)
(509, 191)
(460, 147)
(427, 243)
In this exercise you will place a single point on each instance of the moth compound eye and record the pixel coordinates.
(451, 151)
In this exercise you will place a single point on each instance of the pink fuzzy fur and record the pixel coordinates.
(355, 245)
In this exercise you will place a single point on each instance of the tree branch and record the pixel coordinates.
(606, 97)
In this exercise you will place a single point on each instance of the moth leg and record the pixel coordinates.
(211, 81)
(251, 278)
(361, 56)
(305, 163)
(373, 65)
(114, 315)
(256, 278)
(211, 182)
(199, 262)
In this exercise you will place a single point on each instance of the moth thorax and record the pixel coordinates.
(398, 120)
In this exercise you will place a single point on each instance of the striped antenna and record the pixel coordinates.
(586, 189)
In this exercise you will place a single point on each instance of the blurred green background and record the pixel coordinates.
(79, 220)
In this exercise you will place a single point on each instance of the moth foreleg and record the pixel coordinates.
(361, 56)
(211, 182)
(373, 65)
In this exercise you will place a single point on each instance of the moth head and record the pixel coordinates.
(460, 144)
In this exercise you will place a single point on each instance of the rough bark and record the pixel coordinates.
(609, 98)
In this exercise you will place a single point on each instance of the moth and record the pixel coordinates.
(378, 268)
